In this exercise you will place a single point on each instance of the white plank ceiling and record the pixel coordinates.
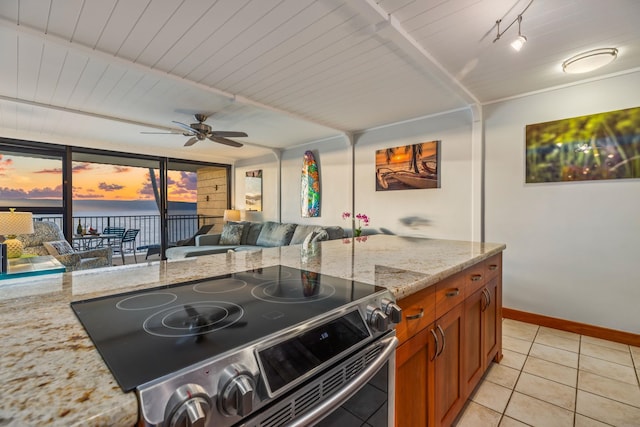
(287, 72)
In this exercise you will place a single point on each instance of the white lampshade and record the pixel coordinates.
(14, 223)
(251, 216)
(231, 215)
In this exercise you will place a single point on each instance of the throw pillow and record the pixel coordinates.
(274, 234)
(58, 247)
(231, 234)
(319, 236)
(302, 231)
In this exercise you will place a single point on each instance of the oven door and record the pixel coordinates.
(358, 391)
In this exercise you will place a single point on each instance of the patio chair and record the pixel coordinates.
(191, 241)
(115, 231)
(128, 239)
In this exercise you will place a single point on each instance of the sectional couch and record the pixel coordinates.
(243, 236)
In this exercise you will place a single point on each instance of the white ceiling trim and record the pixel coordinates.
(87, 113)
(97, 54)
(413, 46)
(563, 86)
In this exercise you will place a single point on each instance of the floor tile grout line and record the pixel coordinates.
(513, 390)
(575, 409)
(579, 369)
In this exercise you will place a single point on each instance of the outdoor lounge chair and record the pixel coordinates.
(154, 249)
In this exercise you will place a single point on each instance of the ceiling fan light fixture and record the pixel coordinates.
(590, 60)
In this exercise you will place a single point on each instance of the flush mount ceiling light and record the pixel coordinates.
(590, 60)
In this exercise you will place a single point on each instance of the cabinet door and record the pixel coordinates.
(450, 397)
(474, 354)
(415, 380)
(492, 327)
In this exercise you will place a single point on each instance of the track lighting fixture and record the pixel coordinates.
(519, 42)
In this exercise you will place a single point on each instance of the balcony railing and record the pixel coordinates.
(179, 226)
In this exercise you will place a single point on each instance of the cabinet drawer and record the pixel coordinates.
(418, 311)
(475, 277)
(450, 292)
(493, 266)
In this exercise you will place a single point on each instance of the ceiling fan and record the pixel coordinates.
(201, 131)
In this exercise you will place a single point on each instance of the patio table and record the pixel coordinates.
(92, 241)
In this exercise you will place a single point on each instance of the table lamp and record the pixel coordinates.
(11, 224)
(231, 215)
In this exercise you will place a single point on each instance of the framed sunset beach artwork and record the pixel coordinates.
(408, 167)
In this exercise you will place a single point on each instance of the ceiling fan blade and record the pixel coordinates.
(191, 141)
(185, 127)
(162, 133)
(224, 141)
(228, 134)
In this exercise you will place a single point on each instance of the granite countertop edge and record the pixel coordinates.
(51, 374)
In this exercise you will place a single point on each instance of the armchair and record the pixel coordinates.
(74, 260)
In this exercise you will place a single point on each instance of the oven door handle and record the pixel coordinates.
(337, 399)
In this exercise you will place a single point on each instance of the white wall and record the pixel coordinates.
(438, 213)
(334, 164)
(572, 248)
(444, 212)
(270, 190)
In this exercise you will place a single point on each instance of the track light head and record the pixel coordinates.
(519, 42)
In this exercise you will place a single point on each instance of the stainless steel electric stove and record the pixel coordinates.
(224, 350)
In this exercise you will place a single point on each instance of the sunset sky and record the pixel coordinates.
(402, 155)
(33, 178)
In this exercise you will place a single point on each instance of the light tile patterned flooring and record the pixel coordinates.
(551, 378)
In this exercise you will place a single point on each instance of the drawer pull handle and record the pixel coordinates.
(493, 267)
(416, 316)
(444, 340)
(476, 277)
(487, 300)
(453, 293)
(437, 344)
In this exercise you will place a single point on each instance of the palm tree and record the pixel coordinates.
(416, 153)
(389, 152)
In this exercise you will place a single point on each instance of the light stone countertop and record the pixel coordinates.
(51, 374)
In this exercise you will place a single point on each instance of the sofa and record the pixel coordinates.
(246, 236)
(47, 239)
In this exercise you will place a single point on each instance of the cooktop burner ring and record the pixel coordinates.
(234, 285)
(292, 291)
(123, 304)
(193, 319)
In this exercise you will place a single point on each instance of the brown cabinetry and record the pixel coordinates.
(450, 333)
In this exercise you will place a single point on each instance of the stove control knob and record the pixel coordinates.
(377, 319)
(236, 397)
(189, 406)
(392, 310)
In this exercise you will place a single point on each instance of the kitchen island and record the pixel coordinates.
(51, 374)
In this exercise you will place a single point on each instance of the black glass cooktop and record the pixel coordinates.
(146, 334)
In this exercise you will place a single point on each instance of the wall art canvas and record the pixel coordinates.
(408, 167)
(309, 187)
(253, 190)
(586, 148)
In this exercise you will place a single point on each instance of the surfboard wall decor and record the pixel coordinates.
(310, 187)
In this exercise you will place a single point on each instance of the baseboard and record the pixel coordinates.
(575, 327)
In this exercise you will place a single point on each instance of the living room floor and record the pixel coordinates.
(550, 377)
